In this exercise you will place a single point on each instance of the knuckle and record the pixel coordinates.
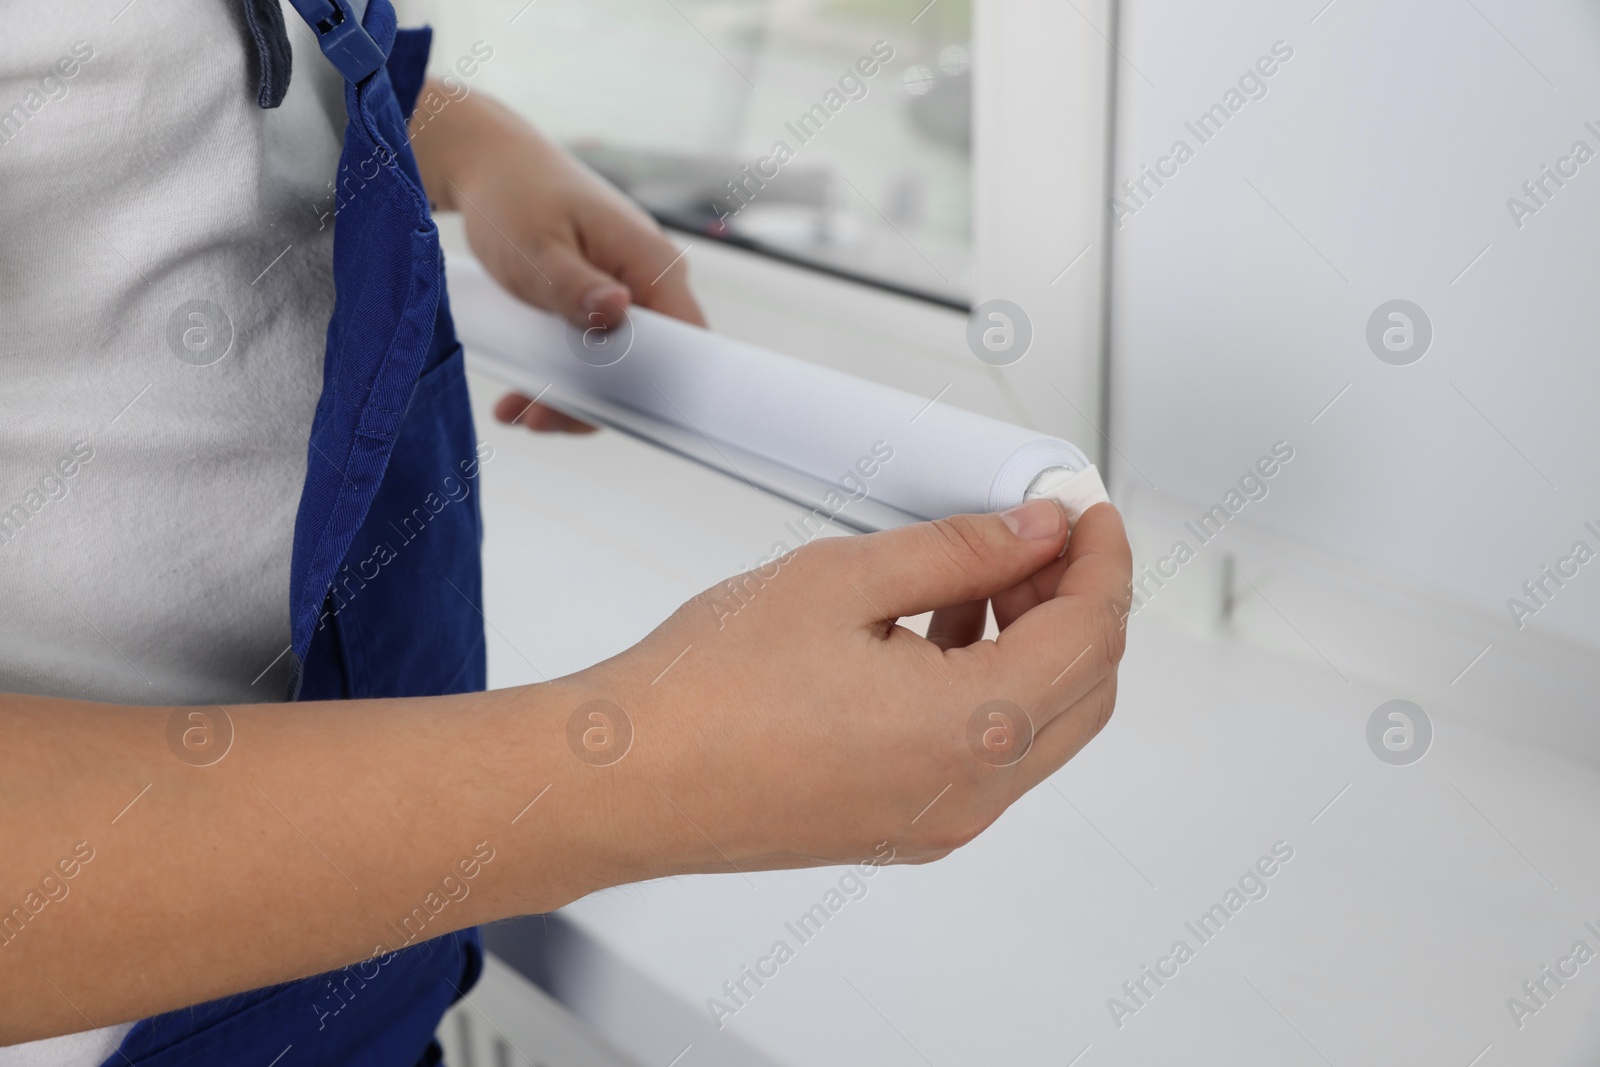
(956, 831)
(926, 857)
(946, 838)
(1107, 704)
(661, 246)
(844, 566)
(815, 560)
(1113, 625)
(960, 538)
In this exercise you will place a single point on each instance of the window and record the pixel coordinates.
(834, 133)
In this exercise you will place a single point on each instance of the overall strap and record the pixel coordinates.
(388, 510)
(339, 33)
(341, 36)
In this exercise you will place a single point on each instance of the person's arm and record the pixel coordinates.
(805, 728)
(542, 225)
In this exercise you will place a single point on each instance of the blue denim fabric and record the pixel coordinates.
(385, 582)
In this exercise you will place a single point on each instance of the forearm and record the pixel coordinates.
(326, 834)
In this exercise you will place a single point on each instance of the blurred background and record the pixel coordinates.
(671, 100)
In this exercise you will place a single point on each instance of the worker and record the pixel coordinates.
(254, 799)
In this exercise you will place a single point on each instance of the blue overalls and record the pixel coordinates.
(385, 582)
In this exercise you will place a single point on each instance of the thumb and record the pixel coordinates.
(581, 293)
(558, 279)
(950, 561)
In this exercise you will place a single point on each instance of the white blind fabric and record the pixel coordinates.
(805, 432)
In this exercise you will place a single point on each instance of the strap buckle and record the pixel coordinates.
(341, 37)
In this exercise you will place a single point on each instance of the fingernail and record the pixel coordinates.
(1035, 520)
(605, 299)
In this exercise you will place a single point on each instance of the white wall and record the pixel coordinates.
(1377, 166)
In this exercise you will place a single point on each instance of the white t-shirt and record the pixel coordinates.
(165, 289)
